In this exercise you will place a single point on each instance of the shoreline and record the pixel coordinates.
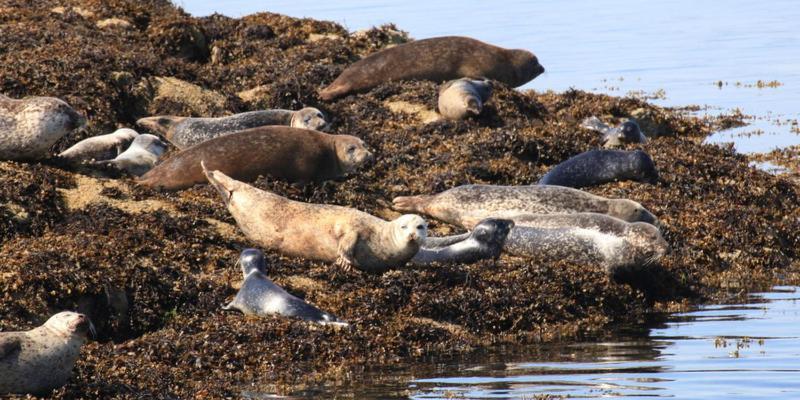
(70, 237)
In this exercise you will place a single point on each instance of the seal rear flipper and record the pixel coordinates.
(231, 307)
(410, 203)
(9, 345)
(223, 183)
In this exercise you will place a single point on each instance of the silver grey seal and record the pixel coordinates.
(485, 241)
(184, 132)
(463, 97)
(140, 157)
(260, 296)
(30, 126)
(101, 147)
(626, 132)
(41, 359)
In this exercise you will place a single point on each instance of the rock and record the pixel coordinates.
(114, 23)
(172, 96)
(255, 94)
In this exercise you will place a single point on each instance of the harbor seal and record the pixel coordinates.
(626, 132)
(596, 167)
(436, 59)
(260, 296)
(485, 241)
(329, 233)
(184, 132)
(101, 147)
(41, 359)
(461, 97)
(30, 126)
(140, 157)
(465, 205)
(292, 154)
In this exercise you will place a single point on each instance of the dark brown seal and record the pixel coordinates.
(292, 154)
(436, 59)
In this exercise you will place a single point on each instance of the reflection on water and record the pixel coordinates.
(683, 47)
(725, 351)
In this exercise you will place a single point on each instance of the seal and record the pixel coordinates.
(596, 167)
(140, 157)
(436, 59)
(98, 148)
(465, 205)
(328, 233)
(185, 132)
(258, 295)
(291, 154)
(30, 126)
(627, 132)
(485, 241)
(41, 359)
(461, 97)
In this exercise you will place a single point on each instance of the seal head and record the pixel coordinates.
(351, 152)
(32, 125)
(309, 118)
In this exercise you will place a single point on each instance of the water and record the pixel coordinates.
(681, 47)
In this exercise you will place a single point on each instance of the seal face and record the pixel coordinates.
(41, 359)
(140, 157)
(465, 205)
(627, 132)
(596, 167)
(463, 97)
(485, 241)
(343, 235)
(258, 295)
(30, 126)
(185, 132)
(102, 147)
(436, 59)
(292, 154)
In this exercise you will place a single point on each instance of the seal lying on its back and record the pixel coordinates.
(461, 97)
(30, 126)
(102, 147)
(140, 157)
(436, 59)
(627, 132)
(485, 241)
(465, 205)
(185, 132)
(260, 296)
(349, 237)
(596, 167)
(41, 359)
(292, 154)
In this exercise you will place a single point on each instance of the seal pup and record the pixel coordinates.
(329, 233)
(41, 359)
(101, 147)
(485, 241)
(465, 205)
(260, 296)
(30, 126)
(596, 167)
(626, 132)
(461, 97)
(185, 132)
(140, 157)
(291, 154)
(436, 59)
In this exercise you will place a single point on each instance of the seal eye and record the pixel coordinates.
(351, 149)
(420, 227)
(403, 227)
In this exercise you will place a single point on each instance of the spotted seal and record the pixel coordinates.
(30, 126)
(329, 233)
(465, 205)
(485, 241)
(184, 132)
(140, 157)
(626, 132)
(258, 295)
(596, 167)
(101, 147)
(41, 359)
(291, 154)
(461, 97)
(436, 59)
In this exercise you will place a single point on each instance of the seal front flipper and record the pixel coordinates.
(9, 346)
(346, 251)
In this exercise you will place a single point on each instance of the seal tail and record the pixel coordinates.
(411, 203)
(223, 183)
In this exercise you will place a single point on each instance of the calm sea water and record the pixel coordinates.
(682, 50)
(681, 47)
